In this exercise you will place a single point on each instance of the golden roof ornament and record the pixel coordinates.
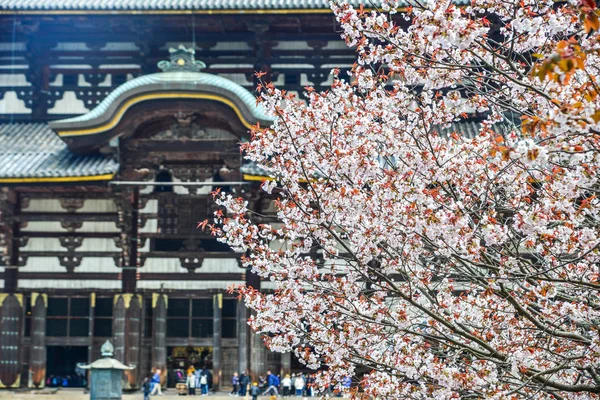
(181, 59)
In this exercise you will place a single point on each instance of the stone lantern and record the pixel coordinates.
(106, 380)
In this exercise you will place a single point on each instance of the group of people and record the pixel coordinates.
(75, 380)
(195, 379)
(291, 385)
(200, 378)
(299, 385)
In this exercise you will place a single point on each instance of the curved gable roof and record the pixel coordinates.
(164, 85)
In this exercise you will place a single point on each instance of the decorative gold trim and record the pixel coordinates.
(105, 177)
(153, 96)
(156, 296)
(127, 299)
(17, 383)
(31, 385)
(34, 297)
(219, 300)
(258, 178)
(170, 12)
(4, 296)
(93, 299)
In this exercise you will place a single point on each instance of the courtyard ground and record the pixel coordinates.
(78, 394)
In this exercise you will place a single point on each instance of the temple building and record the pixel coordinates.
(117, 119)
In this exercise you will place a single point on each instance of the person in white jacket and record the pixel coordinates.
(286, 384)
(299, 385)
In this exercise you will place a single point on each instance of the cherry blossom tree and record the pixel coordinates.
(451, 266)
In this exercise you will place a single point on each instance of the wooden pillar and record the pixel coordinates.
(92, 315)
(159, 334)
(9, 238)
(37, 75)
(11, 278)
(128, 206)
(133, 341)
(242, 336)
(217, 334)
(11, 312)
(37, 351)
(258, 354)
(91, 322)
(127, 325)
(118, 327)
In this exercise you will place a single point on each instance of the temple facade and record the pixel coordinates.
(117, 119)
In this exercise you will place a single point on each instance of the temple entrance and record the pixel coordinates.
(62, 366)
(181, 359)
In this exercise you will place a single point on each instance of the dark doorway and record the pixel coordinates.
(61, 366)
(181, 359)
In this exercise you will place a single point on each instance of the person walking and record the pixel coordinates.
(286, 384)
(299, 385)
(156, 389)
(254, 391)
(272, 383)
(235, 382)
(190, 381)
(146, 385)
(244, 382)
(262, 383)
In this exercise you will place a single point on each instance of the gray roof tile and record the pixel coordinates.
(35, 151)
(175, 4)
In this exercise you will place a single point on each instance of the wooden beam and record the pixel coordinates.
(80, 254)
(151, 276)
(192, 254)
(67, 217)
(52, 235)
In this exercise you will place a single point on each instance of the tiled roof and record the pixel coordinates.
(162, 4)
(176, 4)
(35, 151)
(170, 81)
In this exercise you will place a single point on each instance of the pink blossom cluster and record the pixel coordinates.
(452, 266)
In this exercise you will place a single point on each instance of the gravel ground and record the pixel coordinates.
(78, 394)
